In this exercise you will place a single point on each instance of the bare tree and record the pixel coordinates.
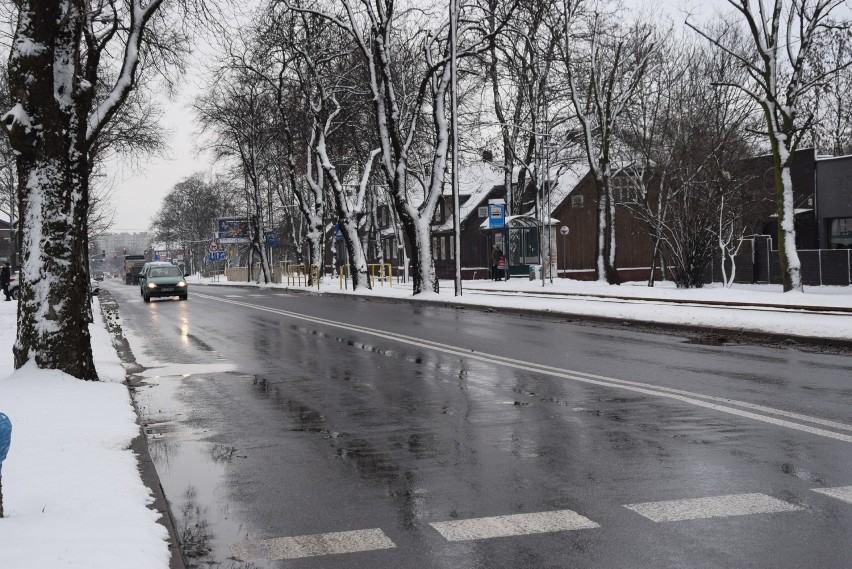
(783, 34)
(604, 65)
(401, 109)
(688, 137)
(831, 100)
(520, 72)
(237, 112)
(57, 61)
(188, 213)
(325, 75)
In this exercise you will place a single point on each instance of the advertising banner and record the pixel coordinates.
(232, 230)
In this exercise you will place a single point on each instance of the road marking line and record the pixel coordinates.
(258, 295)
(697, 399)
(712, 507)
(233, 295)
(312, 545)
(517, 524)
(840, 492)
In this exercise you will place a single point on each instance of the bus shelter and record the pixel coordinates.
(530, 243)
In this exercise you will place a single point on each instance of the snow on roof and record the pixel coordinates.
(565, 184)
(566, 181)
(475, 181)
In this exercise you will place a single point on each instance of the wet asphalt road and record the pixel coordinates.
(275, 416)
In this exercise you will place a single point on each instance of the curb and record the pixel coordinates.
(703, 335)
(139, 445)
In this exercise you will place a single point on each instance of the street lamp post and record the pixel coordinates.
(564, 231)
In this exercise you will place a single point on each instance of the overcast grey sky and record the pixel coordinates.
(138, 195)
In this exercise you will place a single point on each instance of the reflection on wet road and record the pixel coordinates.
(301, 431)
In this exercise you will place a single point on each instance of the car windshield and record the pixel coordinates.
(164, 272)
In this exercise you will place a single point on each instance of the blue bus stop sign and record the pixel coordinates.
(5, 437)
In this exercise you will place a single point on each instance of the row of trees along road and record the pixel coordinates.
(339, 106)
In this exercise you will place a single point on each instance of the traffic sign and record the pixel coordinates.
(496, 216)
(214, 256)
(213, 247)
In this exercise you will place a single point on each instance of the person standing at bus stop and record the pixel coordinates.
(496, 255)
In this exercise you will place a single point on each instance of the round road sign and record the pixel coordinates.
(213, 247)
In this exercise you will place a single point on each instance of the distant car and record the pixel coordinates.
(144, 271)
(164, 280)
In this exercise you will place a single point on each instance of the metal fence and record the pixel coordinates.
(757, 262)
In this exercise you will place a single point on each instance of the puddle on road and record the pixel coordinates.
(185, 370)
(193, 472)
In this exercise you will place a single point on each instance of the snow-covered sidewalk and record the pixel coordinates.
(72, 493)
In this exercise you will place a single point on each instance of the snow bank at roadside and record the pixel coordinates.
(72, 493)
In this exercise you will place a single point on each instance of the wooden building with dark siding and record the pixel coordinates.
(579, 212)
(573, 204)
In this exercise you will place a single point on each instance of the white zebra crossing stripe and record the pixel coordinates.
(518, 524)
(233, 296)
(711, 507)
(840, 492)
(312, 545)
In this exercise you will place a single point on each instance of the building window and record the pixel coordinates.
(452, 240)
(577, 201)
(434, 247)
(439, 213)
(383, 216)
(623, 190)
(482, 211)
(840, 233)
(444, 247)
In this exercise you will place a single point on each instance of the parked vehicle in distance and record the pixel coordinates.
(164, 280)
(132, 265)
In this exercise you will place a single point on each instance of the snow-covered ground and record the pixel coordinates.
(72, 493)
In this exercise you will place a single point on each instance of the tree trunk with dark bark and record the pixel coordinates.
(48, 130)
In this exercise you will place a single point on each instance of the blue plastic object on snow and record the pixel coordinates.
(5, 437)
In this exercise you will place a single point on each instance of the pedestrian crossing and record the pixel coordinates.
(507, 526)
(518, 524)
(313, 545)
(712, 507)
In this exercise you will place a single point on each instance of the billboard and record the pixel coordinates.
(232, 230)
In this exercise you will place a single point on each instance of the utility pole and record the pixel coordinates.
(454, 23)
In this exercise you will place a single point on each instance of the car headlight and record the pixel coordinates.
(152, 285)
(181, 283)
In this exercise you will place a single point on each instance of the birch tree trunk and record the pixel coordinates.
(782, 35)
